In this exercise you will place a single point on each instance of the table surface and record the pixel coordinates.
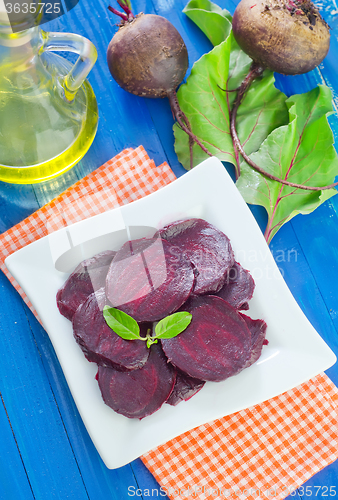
(45, 451)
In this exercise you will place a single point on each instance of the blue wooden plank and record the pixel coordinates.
(323, 485)
(38, 428)
(124, 121)
(48, 190)
(14, 482)
(147, 484)
(11, 211)
(321, 251)
(291, 257)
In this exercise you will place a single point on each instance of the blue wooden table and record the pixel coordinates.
(45, 451)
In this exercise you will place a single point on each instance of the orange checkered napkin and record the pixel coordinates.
(264, 451)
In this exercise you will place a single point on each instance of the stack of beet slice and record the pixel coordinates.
(188, 266)
(144, 281)
(207, 248)
(238, 287)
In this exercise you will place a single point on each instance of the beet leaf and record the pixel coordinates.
(301, 152)
(210, 18)
(207, 104)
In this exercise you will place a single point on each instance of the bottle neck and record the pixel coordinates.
(10, 39)
(16, 25)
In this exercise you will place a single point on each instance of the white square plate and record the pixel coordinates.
(295, 352)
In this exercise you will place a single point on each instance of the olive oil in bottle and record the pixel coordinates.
(48, 111)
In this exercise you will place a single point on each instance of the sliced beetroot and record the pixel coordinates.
(89, 276)
(138, 393)
(100, 343)
(185, 388)
(244, 306)
(238, 288)
(257, 328)
(216, 344)
(145, 280)
(206, 247)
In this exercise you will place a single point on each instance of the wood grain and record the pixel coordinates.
(45, 451)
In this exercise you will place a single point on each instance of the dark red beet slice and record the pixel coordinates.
(185, 388)
(145, 281)
(207, 248)
(244, 306)
(138, 393)
(216, 344)
(238, 288)
(88, 277)
(100, 343)
(257, 328)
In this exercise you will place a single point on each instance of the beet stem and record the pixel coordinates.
(256, 71)
(120, 14)
(185, 125)
(126, 9)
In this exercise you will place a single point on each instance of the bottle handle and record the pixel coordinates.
(69, 42)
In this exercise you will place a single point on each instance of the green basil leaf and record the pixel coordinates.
(151, 341)
(172, 325)
(123, 325)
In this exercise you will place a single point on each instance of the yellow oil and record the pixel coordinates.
(41, 134)
(54, 165)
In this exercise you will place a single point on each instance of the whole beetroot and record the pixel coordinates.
(148, 57)
(158, 65)
(286, 36)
